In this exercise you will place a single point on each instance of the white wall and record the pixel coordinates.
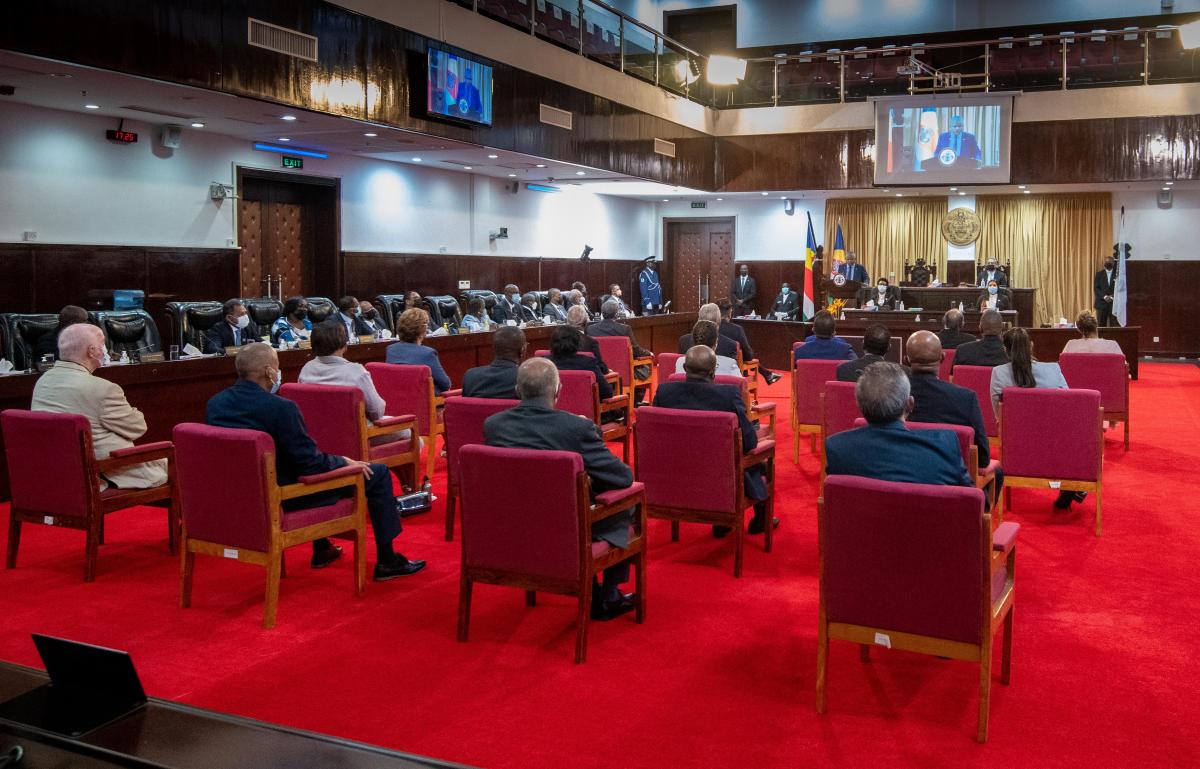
(1159, 233)
(762, 229)
(63, 180)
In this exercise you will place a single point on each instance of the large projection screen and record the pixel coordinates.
(943, 139)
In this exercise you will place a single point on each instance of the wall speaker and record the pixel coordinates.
(512, 187)
(1164, 199)
(789, 207)
(171, 136)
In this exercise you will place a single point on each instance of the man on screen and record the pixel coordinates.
(467, 96)
(963, 144)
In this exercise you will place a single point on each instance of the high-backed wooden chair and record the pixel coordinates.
(617, 354)
(581, 395)
(808, 382)
(839, 410)
(409, 390)
(464, 419)
(1108, 374)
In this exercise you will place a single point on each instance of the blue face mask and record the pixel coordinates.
(993, 289)
(516, 298)
(278, 381)
(784, 290)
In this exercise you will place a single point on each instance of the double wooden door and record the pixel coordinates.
(287, 233)
(700, 255)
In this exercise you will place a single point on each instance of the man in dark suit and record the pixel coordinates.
(1104, 286)
(961, 142)
(499, 378)
(536, 424)
(728, 329)
(508, 307)
(852, 269)
(989, 350)
(251, 404)
(876, 341)
(821, 344)
(565, 346)
(742, 292)
(351, 315)
(609, 326)
(883, 296)
(952, 336)
(787, 302)
(726, 344)
(577, 318)
(234, 331)
(886, 449)
(991, 271)
(554, 309)
(698, 393)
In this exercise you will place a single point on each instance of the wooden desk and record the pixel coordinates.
(938, 300)
(171, 392)
(970, 317)
(167, 734)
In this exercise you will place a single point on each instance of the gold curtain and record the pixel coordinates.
(1055, 242)
(883, 232)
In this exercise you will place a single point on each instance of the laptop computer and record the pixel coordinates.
(90, 686)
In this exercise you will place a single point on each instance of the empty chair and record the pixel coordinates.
(1052, 439)
(1130, 55)
(264, 311)
(547, 546)
(580, 394)
(191, 322)
(1099, 55)
(131, 332)
(1003, 62)
(1107, 373)
(320, 308)
(617, 354)
(909, 566)
(693, 467)
(978, 379)
(808, 382)
(22, 332)
(464, 418)
(389, 306)
(55, 479)
(241, 517)
(409, 390)
(443, 309)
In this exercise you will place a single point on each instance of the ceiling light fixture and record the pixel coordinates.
(899, 194)
(581, 173)
(60, 74)
(370, 135)
(284, 139)
(954, 189)
(1020, 186)
(492, 157)
(1166, 189)
(416, 160)
(91, 106)
(541, 165)
(512, 176)
(1028, 191)
(288, 118)
(666, 200)
(197, 125)
(962, 193)
(1168, 183)
(720, 199)
(466, 168)
(765, 194)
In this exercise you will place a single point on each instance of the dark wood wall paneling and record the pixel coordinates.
(1162, 309)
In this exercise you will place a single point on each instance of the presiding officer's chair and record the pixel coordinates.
(55, 479)
(546, 546)
(464, 418)
(241, 517)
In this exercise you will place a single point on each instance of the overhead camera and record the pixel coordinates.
(500, 234)
(587, 253)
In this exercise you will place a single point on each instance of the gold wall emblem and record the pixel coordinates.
(961, 227)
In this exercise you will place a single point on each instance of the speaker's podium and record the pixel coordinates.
(837, 287)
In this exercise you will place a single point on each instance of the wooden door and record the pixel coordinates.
(287, 232)
(700, 256)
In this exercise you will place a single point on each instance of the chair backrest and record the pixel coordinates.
(964, 434)
(688, 459)
(947, 364)
(128, 331)
(22, 331)
(548, 354)
(464, 420)
(406, 389)
(263, 311)
(617, 354)
(808, 383)
(1108, 373)
(904, 556)
(48, 469)
(389, 306)
(191, 320)
(978, 379)
(489, 298)
(666, 365)
(503, 530)
(1053, 433)
(579, 394)
(333, 416)
(839, 409)
(444, 309)
(320, 308)
(894, 352)
(740, 382)
(221, 483)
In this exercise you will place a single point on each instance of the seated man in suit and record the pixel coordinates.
(822, 344)
(886, 449)
(529, 308)
(410, 330)
(498, 379)
(991, 271)
(787, 302)
(351, 315)
(883, 297)
(234, 331)
(726, 345)
(706, 334)
(250, 404)
(47, 343)
(508, 306)
(577, 318)
(69, 388)
(876, 342)
(566, 344)
(536, 424)
(554, 311)
(615, 294)
(370, 317)
(730, 330)
(699, 393)
(952, 336)
(989, 350)
(609, 326)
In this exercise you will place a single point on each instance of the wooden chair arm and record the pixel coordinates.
(614, 379)
(338, 478)
(762, 453)
(611, 502)
(765, 408)
(390, 425)
(136, 455)
(615, 403)
(450, 394)
(1004, 538)
(646, 361)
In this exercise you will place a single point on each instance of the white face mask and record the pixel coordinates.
(243, 321)
(278, 381)
(784, 290)
(882, 288)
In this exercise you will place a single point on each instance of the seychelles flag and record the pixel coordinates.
(810, 251)
(839, 245)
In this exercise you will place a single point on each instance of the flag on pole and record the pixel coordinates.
(1121, 292)
(839, 245)
(810, 252)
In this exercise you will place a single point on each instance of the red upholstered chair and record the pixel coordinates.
(839, 410)
(581, 395)
(409, 390)
(808, 382)
(978, 379)
(755, 412)
(54, 479)
(1057, 441)
(915, 572)
(545, 546)
(947, 364)
(692, 464)
(1108, 374)
(666, 365)
(240, 517)
(336, 418)
(749, 370)
(464, 427)
(613, 377)
(617, 354)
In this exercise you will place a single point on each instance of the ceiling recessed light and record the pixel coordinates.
(416, 160)
(962, 193)
(1020, 186)
(666, 200)
(954, 189)
(899, 194)
(541, 165)
(765, 194)
(289, 118)
(1166, 189)
(466, 168)
(720, 199)
(60, 74)
(512, 176)
(197, 125)
(492, 157)
(370, 135)
(1168, 183)
(1028, 191)
(91, 106)
(581, 173)
(284, 139)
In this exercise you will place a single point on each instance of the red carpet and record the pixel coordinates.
(721, 674)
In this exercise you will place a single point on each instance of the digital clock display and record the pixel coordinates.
(121, 137)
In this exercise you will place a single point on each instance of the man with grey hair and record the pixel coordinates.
(886, 449)
(952, 335)
(577, 318)
(536, 424)
(726, 346)
(608, 325)
(69, 387)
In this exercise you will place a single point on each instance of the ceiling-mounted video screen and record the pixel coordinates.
(940, 140)
(459, 88)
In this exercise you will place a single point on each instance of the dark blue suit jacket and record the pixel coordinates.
(816, 348)
(220, 336)
(412, 354)
(496, 380)
(969, 149)
(946, 403)
(892, 452)
(585, 363)
(852, 271)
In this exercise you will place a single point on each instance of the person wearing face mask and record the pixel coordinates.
(251, 404)
(994, 298)
(236, 330)
(787, 302)
(351, 315)
(293, 326)
(1104, 286)
(991, 271)
(508, 306)
(883, 296)
(69, 387)
(370, 317)
(615, 294)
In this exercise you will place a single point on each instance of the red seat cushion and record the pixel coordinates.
(384, 450)
(301, 518)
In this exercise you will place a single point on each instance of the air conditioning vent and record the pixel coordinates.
(555, 117)
(664, 147)
(289, 42)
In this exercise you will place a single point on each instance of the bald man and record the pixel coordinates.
(537, 424)
(700, 393)
(251, 404)
(938, 401)
(952, 336)
(989, 350)
(70, 388)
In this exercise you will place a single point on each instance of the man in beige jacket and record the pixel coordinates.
(70, 388)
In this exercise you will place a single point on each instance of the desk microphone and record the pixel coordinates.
(667, 308)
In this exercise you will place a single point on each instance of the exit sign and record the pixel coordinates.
(292, 162)
(121, 137)
(699, 204)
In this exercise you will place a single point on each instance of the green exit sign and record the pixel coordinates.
(292, 162)
(699, 204)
